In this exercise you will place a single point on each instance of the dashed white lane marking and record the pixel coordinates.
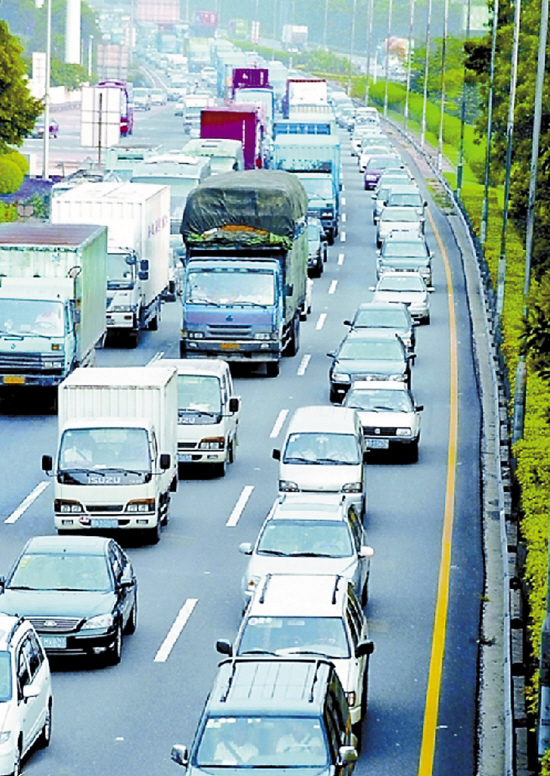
(25, 504)
(343, 218)
(173, 634)
(276, 430)
(343, 200)
(303, 365)
(342, 237)
(320, 322)
(340, 259)
(332, 287)
(156, 357)
(239, 506)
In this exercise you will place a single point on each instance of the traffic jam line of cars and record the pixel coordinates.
(304, 632)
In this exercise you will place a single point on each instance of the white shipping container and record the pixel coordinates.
(137, 216)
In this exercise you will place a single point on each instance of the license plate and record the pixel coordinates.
(185, 457)
(104, 522)
(54, 642)
(229, 345)
(14, 380)
(378, 444)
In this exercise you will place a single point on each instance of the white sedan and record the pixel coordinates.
(408, 288)
(400, 219)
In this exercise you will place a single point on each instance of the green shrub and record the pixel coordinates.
(18, 159)
(7, 212)
(11, 176)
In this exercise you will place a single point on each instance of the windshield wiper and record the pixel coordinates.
(257, 651)
(189, 410)
(200, 300)
(312, 555)
(337, 461)
(250, 304)
(274, 552)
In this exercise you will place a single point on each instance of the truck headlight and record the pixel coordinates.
(350, 697)
(287, 486)
(119, 308)
(214, 443)
(67, 507)
(262, 335)
(341, 377)
(195, 334)
(352, 487)
(145, 505)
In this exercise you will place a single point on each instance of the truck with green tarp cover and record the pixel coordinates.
(245, 267)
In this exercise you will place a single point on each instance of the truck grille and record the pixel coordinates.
(31, 362)
(55, 624)
(107, 508)
(228, 332)
(187, 445)
(375, 431)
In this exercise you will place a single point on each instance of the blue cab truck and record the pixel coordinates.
(245, 268)
(315, 159)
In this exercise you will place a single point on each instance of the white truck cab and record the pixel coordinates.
(208, 412)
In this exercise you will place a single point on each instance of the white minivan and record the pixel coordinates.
(324, 452)
(208, 413)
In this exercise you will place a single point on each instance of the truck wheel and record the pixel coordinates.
(331, 237)
(220, 469)
(183, 350)
(133, 339)
(153, 534)
(272, 368)
(153, 324)
(231, 451)
(294, 344)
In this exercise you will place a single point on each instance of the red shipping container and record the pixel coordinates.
(234, 122)
(251, 77)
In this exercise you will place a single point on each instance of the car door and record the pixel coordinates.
(41, 678)
(359, 540)
(121, 566)
(29, 707)
(354, 621)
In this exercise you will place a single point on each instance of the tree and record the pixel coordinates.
(18, 110)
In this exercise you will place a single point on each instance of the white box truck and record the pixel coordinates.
(137, 216)
(52, 302)
(116, 462)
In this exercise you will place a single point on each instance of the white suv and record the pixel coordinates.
(305, 614)
(25, 693)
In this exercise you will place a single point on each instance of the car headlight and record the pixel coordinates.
(101, 621)
(341, 377)
(252, 584)
(287, 486)
(398, 378)
(5, 736)
(403, 432)
(352, 487)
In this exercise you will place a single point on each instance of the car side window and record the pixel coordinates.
(33, 653)
(23, 675)
(333, 735)
(356, 528)
(115, 561)
(354, 617)
(334, 708)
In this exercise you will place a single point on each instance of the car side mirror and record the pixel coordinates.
(224, 647)
(245, 548)
(47, 463)
(419, 407)
(372, 288)
(234, 404)
(347, 755)
(165, 461)
(180, 755)
(276, 454)
(347, 323)
(366, 551)
(430, 289)
(2, 583)
(31, 691)
(331, 354)
(412, 358)
(364, 648)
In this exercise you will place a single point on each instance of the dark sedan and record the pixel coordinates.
(317, 247)
(393, 316)
(377, 354)
(79, 592)
(376, 165)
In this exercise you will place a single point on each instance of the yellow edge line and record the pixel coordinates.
(429, 730)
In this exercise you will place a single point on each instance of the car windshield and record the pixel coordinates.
(374, 149)
(5, 677)
(290, 635)
(413, 282)
(398, 248)
(384, 319)
(28, 317)
(255, 742)
(379, 400)
(405, 200)
(340, 449)
(377, 350)
(61, 571)
(95, 449)
(305, 537)
(199, 393)
(407, 214)
(382, 162)
(230, 287)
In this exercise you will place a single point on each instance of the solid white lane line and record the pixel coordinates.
(173, 634)
(275, 431)
(239, 506)
(156, 357)
(320, 322)
(340, 259)
(40, 488)
(332, 287)
(342, 237)
(303, 365)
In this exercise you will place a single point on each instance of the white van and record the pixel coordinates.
(208, 412)
(324, 452)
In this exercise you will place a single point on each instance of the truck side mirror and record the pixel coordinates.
(143, 275)
(234, 404)
(164, 461)
(47, 463)
(289, 289)
(144, 265)
(276, 454)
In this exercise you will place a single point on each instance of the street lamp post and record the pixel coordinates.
(90, 50)
(390, 8)
(46, 155)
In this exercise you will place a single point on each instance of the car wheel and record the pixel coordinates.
(131, 625)
(17, 761)
(334, 396)
(413, 451)
(46, 734)
(272, 368)
(426, 319)
(153, 324)
(133, 339)
(114, 652)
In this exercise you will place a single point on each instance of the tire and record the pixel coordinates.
(181, 471)
(133, 340)
(413, 452)
(183, 350)
(231, 451)
(46, 734)
(331, 237)
(426, 320)
(17, 761)
(153, 534)
(294, 345)
(334, 397)
(153, 324)
(272, 368)
(131, 625)
(114, 652)
(220, 469)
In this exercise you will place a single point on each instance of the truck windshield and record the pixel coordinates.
(309, 448)
(119, 273)
(317, 187)
(5, 676)
(96, 450)
(262, 741)
(27, 317)
(199, 393)
(230, 287)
